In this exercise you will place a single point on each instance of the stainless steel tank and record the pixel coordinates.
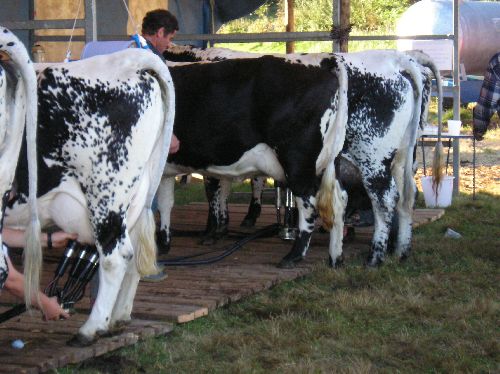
(479, 28)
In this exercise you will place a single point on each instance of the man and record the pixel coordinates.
(158, 28)
(489, 99)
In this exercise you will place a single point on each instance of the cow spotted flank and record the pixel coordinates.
(388, 99)
(104, 131)
(264, 116)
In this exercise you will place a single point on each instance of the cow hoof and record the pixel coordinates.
(404, 256)
(338, 263)
(104, 333)
(163, 243)
(121, 324)
(374, 261)
(80, 340)
(248, 223)
(289, 263)
(118, 327)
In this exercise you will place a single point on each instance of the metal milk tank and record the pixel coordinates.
(479, 28)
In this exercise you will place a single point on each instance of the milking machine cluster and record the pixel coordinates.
(83, 261)
(287, 229)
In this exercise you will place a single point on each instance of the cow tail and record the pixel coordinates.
(414, 75)
(437, 164)
(146, 245)
(146, 249)
(327, 199)
(33, 250)
(326, 196)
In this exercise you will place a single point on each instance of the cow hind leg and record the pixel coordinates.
(384, 196)
(216, 192)
(255, 206)
(165, 196)
(115, 253)
(125, 301)
(307, 217)
(404, 209)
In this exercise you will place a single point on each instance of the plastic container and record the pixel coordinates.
(454, 127)
(444, 192)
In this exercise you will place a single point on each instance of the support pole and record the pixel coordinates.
(290, 26)
(335, 22)
(90, 21)
(456, 96)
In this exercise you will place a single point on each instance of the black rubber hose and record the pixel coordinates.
(180, 261)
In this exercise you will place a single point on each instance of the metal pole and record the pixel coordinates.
(31, 39)
(456, 96)
(336, 22)
(90, 21)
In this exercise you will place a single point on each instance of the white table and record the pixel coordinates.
(453, 140)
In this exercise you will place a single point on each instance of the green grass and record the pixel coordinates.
(436, 312)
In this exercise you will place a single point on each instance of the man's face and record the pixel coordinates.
(163, 40)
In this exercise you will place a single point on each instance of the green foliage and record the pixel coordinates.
(369, 17)
(376, 15)
(316, 15)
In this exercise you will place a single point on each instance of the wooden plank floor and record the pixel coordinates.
(187, 293)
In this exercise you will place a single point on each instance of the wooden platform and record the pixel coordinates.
(187, 293)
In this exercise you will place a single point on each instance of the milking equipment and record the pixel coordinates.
(84, 261)
(287, 230)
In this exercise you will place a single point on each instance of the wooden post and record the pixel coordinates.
(290, 26)
(341, 16)
(345, 19)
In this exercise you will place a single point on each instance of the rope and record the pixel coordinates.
(68, 50)
(340, 33)
(134, 25)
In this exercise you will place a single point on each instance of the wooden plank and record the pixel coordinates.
(188, 292)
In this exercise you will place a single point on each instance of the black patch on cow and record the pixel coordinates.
(184, 56)
(373, 101)
(236, 104)
(329, 63)
(110, 230)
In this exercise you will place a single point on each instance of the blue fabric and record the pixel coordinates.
(103, 48)
(195, 16)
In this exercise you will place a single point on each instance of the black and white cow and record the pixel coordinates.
(388, 94)
(104, 128)
(18, 106)
(265, 116)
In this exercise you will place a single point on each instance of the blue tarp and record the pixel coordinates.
(195, 16)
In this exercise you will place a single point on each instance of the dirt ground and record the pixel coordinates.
(487, 164)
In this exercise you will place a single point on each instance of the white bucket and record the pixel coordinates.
(444, 192)
(454, 127)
